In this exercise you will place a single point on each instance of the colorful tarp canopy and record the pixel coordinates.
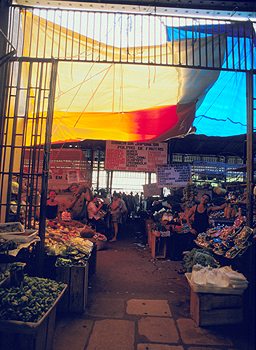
(222, 111)
(128, 102)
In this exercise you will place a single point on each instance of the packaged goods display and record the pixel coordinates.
(227, 241)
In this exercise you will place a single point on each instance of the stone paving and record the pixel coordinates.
(136, 303)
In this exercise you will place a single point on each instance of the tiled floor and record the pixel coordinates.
(136, 303)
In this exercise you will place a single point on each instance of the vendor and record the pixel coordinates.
(78, 205)
(95, 216)
(52, 206)
(198, 215)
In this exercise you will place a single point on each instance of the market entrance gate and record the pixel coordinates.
(73, 36)
(26, 130)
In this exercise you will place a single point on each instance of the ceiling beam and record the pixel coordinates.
(249, 5)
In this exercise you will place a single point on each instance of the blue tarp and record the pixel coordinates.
(222, 111)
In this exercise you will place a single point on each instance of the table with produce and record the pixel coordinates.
(27, 309)
(227, 241)
(71, 242)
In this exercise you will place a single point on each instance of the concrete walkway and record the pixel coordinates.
(137, 303)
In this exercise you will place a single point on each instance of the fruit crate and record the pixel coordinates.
(216, 309)
(18, 335)
(158, 245)
(75, 297)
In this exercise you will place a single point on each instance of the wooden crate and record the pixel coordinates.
(93, 261)
(158, 245)
(17, 335)
(75, 297)
(149, 224)
(216, 309)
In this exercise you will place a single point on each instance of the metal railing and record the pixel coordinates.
(94, 36)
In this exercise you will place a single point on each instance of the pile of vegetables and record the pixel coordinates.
(78, 260)
(70, 247)
(199, 256)
(29, 302)
(6, 245)
(11, 227)
(4, 274)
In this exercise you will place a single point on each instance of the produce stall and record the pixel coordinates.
(216, 295)
(18, 244)
(28, 310)
(71, 259)
(227, 241)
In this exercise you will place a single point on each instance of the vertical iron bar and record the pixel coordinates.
(111, 181)
(166, 45)
(226, 48)
(13, 139)
(38, 34)
(79, 37)
(141, 40)
(161, 40)
(31, 35)
(24, 30)
(233, 46)
(249, 146)
(93, 36)
(206, 43)
(6, 108)
(172, 58)
(98, 171)
(154, 60)
(58, 55)
(17, 35)
(73, 33)
(107, 33)
(100, 29)
(149, 36)
(127, 39)
(134, 38)
(86, 35)
(186, 44)
(23, 141)
(193, 44)
(219, 41)
(11, 25)
(213, 41)
(239, 48)
(149, 178)
(35, 149)
(46, 160)
(245, 48)
(107, 180)
(45, 33)
(66, 35)
(179, 36)
(53, 32)
(200, 48)
(120, 41)
(114, 37)
(249, 186)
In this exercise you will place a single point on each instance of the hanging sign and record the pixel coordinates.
(131, 156)
(173, 175)
(150, 190)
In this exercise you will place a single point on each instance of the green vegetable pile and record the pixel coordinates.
(7, 245)
(199, 256)
(4, 275)
(30, 302)
(78, 260)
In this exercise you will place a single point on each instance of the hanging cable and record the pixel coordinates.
(92, 95)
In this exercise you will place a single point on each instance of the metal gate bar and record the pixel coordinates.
(27, 121)
(78, 35)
